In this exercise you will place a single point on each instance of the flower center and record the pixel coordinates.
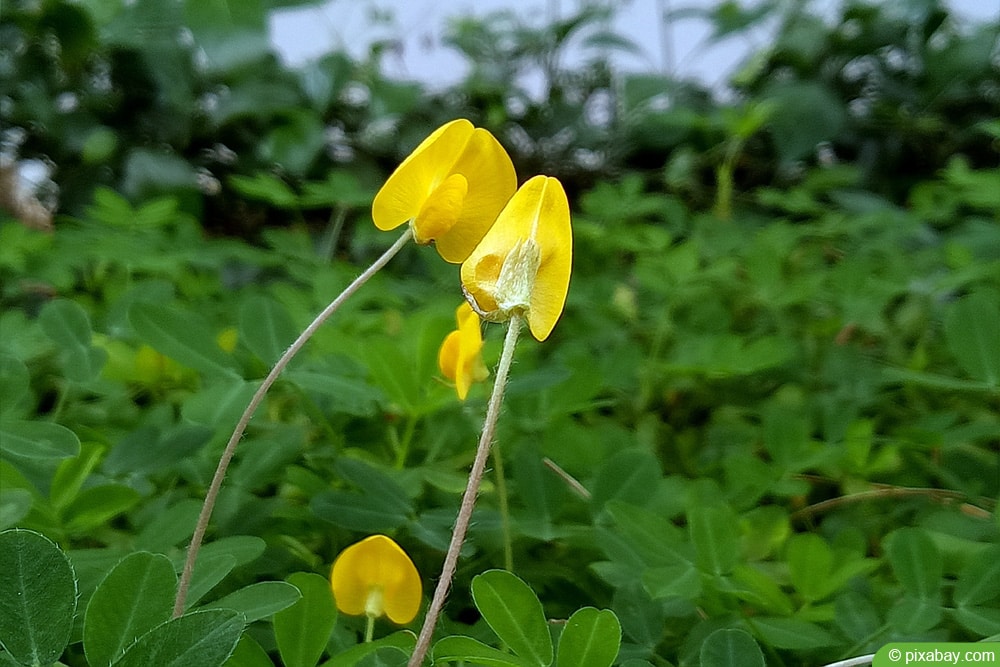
(504, 288)
(374, 603)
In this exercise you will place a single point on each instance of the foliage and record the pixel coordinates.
(765, 428)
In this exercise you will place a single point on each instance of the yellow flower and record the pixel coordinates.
(450, 188)
(460, 357)
(522, 265)
(375, 577)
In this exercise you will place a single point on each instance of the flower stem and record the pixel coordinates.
(469, 497)
(502, 498)
(369, 628)
(220, 472)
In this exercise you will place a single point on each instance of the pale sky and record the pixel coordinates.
(306, 33)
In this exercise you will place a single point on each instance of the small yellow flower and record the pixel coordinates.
(450, 188)
(460, 357)
(375, 577)
(522, 265)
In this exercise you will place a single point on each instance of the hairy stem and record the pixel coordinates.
(502, 499)
(227, 455)
(469, 497)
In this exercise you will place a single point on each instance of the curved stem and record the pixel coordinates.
(220, 472)
(853, 662)
(502, 498)
(469, 497)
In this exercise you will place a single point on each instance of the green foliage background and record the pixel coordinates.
(769, 418)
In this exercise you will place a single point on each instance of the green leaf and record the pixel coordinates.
(302, 631)
(209, 570)
(628, 476)
(384, 656)
(37, 440)
(513, 612)
(341, 188)
(591, 638)
(916, 562)
(181, 335)
(266, 328)
(856, 615)
(146, 450)
(259, 600)
(357, 511)
(37, 597)
(68, 325)
(72, 473)
(219, 405)
(14, 506)
(913, 615)
(244, 548)
(218, 559)
(265, 187)
(983, 621)
(169, 527)
(404, 640)
(381, 506)
(374, 482)
(249, 653)
(731, 647)
(97, 505)
(810, 563)
(198, 639)
(716, 541)
(295, 141)
(151, 172)
(786, 434)
(15, 387)
(231, 33)
(681, 580)
(979, 581)
(761, 589)
(655, 539)
(972, 331)
(392, 371)
(803, 115)
(792, 633)
(466, 649)
(352, 396)
(136, 596)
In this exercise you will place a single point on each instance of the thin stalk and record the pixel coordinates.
(220, 472)
(853, 662)
(469, 497)
(501, 482)
(369, 629)
(402, 446)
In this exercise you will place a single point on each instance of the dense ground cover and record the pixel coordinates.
(771, 407)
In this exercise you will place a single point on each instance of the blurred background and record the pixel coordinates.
(157, 96)
(673, 37)
(772, 401)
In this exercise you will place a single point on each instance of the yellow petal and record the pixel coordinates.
(460, 357)
(470, 363)
(442, 209)
(376, 566)
(448, 355)
(524, 261)
(555, 238)
(409, 186)
(492, 181)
